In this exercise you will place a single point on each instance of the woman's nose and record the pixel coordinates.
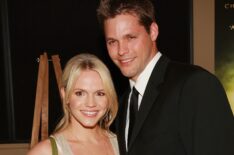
(91, 102)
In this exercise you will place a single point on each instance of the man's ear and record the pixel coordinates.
(154, 31)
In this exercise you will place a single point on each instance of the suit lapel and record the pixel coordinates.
(150, 95)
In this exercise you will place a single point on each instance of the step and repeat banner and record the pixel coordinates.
(224, 46)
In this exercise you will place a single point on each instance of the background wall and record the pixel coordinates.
(13, 149)
(203, 33)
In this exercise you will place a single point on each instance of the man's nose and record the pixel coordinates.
(123, 48)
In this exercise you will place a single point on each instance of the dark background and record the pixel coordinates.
(31, 27)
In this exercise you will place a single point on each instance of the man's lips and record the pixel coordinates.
(126, 61)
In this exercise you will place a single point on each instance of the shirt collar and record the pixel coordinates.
(143, 78)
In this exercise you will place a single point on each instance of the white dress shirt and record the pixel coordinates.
(140, 86)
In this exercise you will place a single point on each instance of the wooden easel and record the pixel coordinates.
(40, 119)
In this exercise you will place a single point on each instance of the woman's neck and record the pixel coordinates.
(79, 133)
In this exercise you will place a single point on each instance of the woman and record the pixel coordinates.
(89, 105)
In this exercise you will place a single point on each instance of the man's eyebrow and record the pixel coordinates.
(110, 38)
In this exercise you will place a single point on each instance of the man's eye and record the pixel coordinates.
(131, 37)
(111, 42)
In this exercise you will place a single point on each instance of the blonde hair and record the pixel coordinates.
(72, 70)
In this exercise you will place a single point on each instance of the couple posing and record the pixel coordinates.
(169, 109)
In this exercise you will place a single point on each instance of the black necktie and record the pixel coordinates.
(133, 112)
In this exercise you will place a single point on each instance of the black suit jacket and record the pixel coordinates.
(184, 111)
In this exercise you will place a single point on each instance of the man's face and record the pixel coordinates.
(129, 45)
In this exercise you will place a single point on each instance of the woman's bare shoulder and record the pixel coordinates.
(43, 147)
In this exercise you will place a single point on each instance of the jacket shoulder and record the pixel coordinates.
(181, 70)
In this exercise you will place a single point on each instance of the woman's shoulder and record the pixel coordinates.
(114, 142)
(111, 134)
(43, 147)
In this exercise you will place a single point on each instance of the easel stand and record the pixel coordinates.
(40, 119)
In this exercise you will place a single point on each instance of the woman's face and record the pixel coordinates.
(88, 101)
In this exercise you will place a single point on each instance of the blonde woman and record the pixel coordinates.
(89, 105)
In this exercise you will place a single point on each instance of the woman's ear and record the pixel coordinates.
(62, 93)
(154, 31)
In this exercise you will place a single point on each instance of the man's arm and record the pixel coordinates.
(206, 119)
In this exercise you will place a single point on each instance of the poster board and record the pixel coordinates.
(224, 46)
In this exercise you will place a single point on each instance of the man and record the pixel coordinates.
(181, 109)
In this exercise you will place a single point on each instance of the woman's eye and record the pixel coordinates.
(79, 93)
(100, 93)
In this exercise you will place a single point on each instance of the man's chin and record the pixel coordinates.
(127, 74)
